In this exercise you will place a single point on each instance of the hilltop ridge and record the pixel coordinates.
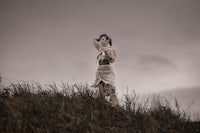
(28, 107)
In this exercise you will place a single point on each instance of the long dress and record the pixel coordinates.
(106, 75)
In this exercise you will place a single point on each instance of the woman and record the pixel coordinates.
(105, 77)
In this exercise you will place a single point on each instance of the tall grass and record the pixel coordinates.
(31, 107)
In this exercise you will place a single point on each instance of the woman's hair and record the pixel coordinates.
(107, 37)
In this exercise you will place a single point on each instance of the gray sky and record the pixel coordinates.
(157, 41)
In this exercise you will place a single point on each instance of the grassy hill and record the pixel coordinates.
(30, 107)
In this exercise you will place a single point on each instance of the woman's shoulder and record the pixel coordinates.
(112, 50)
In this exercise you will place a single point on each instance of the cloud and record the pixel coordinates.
(155, 64)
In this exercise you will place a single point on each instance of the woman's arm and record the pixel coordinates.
(97, 44)
(112, 55)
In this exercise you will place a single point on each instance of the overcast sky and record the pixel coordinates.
(157, 41)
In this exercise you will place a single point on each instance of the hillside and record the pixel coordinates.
(31, 107)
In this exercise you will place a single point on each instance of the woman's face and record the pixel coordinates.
(103, 39)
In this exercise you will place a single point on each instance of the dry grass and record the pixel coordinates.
(31, 107)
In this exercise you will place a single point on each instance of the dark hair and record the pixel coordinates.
(107, 37)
